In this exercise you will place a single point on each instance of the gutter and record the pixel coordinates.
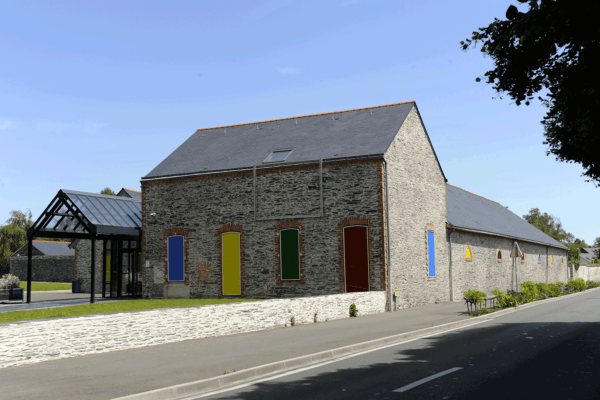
(262, 166)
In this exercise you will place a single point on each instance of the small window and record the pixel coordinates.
(468, 253)
(552, 259)
(522, 257)
(278, 155)
(290, 254)
(431, 253)
(499, 257)
(539, 258)
(175, 258)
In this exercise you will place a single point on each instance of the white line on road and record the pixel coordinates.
(429, 378)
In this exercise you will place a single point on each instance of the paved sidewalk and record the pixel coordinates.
(49, 299)
(120, 373)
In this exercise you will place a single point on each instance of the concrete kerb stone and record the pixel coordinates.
(239, 377)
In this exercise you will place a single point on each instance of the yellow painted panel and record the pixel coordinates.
(232, 278)
(107, 268)
(468, 255)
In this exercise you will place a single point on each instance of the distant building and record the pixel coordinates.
(54, 262)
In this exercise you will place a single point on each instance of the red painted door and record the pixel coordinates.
(356, 259)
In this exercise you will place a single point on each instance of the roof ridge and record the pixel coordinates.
(307, 115)
(473, 193)
(131, 190)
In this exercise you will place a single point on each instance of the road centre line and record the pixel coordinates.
(424, 380)
(295, 371)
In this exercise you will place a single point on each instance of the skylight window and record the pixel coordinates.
(278, 155)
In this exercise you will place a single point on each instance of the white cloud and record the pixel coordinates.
(288, 71)
(5, 125)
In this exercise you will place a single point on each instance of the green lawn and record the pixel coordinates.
(43, 286)
(116, 306)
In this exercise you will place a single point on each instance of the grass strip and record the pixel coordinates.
(109, 307)
(45, 286)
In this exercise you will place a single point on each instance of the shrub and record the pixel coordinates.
(9, 281)
(543, 290)
(554, 290)
(353, 310)
(578, 284)
(529, 291)
(506, 299)
(478, 297)
(560, 284)
(592, 284)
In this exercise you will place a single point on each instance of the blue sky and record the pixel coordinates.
(96, 94)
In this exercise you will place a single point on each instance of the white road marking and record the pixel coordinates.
(295, 371)
(429, 378)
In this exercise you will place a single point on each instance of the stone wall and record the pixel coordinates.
(485, 273)
(53, 339)
(587, 273)
(202, 208)
(417, 200)
(43, 268)
(83, 265)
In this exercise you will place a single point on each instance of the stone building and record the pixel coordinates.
(53, 262)
(339, 202)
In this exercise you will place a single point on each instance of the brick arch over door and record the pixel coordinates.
(224, 229)
(356, 221)
(177, 232)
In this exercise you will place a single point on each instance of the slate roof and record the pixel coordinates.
(340, 134)
(589, 250)
(54, 248)
(470, 211)
(134, 194)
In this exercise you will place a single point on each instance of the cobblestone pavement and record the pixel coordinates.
(35, 341)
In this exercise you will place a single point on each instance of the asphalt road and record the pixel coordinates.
(551, 351)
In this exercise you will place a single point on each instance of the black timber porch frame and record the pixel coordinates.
(73, 224)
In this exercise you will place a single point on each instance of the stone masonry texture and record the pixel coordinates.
(44, 268)
(485, 273)
(203, 205)
(36, 341)
(417, 200)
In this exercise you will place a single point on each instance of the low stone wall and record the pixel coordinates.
(44, 268)
(588, 273)
(36, 341)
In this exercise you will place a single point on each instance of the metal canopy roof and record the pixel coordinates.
(73, 214)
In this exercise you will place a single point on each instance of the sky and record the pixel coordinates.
(96, 94)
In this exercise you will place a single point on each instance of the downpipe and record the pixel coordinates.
(451, 274)
(389, 244)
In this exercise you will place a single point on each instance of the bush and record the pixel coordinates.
(506, 299)
(578, 284)
(478, 297)
(554, 290)
(592, 284)
(529, 291)
(543, 290)
(353, 310)
(9, 281)
(560, 284)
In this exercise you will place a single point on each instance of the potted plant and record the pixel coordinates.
(9, 288)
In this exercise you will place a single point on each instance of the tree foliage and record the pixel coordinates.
(549, 51)
(13, 236)
(549, 224)
(108, 191)
(596, 242)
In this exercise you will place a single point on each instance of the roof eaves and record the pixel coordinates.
(306, 116)
(451, 226)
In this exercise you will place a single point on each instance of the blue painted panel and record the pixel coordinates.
(175, 258)
(431, 251)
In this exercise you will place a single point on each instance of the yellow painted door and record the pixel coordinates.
(232, 277)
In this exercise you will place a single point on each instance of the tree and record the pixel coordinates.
(548, 224)
(13, 236)
(551, 49)
(107, 190)
(597, 242)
